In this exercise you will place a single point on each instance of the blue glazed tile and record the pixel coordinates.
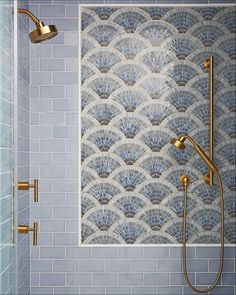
(170, 290)
(52, 10)
(130, 279)
(50, 279)
(92, 291)
(119, 291)
(221, 290)
(156, 279)
(104, 279)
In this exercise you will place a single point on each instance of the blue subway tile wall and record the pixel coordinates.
(84, 266)
(7, 249)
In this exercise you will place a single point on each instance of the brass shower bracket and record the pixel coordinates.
(209, 65)
(184, 180)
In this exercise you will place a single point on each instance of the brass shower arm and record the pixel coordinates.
(30, 14)
(37, 22)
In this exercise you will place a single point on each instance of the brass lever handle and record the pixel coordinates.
(25, 185)
(25, 229)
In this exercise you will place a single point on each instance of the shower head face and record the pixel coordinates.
(43, 33)
(178, 143)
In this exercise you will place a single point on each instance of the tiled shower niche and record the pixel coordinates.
(142, 83)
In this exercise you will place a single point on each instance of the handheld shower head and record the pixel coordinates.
(42, 32)
(179, 143)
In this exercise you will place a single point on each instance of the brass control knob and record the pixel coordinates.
(25, 229)
(25, 185)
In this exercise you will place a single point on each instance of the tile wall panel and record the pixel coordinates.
(59, 194)
(142, 83)
(23, 149)
(7, 250)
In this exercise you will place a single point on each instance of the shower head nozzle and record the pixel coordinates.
(42, 32)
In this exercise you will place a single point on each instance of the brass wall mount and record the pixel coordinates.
(25, 185)
(209, 65)
(184, 180)
(25, 229)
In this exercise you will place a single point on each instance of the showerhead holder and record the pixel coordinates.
(179, 143)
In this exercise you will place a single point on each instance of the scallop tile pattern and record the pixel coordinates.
(142, 83)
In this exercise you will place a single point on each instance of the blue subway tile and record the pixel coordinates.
(130, 253)
(169, 290)
(144, 290)
(104, 253)
(92, 291)
(78, 279)
(91, 266)
(51, 279)
(104, 279)
(204, 278)
(130, 279)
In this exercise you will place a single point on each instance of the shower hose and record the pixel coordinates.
(185, 271)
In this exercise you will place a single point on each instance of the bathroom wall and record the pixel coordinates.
(7, 266)
(23, 46)
(58, 265)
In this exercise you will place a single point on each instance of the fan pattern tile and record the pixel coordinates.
(142, 83)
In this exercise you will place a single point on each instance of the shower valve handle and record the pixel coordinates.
(25, 229)
(25, 185)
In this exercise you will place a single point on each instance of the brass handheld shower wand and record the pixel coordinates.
(179, 143)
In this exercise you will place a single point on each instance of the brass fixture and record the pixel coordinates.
(43, 32)
(25, 229)
(184, 180)
(179, 143)
(25, 185)
(209, 65)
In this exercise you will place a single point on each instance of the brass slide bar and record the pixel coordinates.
(209, 64)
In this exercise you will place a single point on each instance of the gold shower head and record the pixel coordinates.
(42, 32)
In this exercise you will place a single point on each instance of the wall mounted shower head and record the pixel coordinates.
(42, 32)
(179, 143)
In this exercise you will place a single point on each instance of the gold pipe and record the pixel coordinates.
(30, 14)
(209, 64)
(185, 182)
